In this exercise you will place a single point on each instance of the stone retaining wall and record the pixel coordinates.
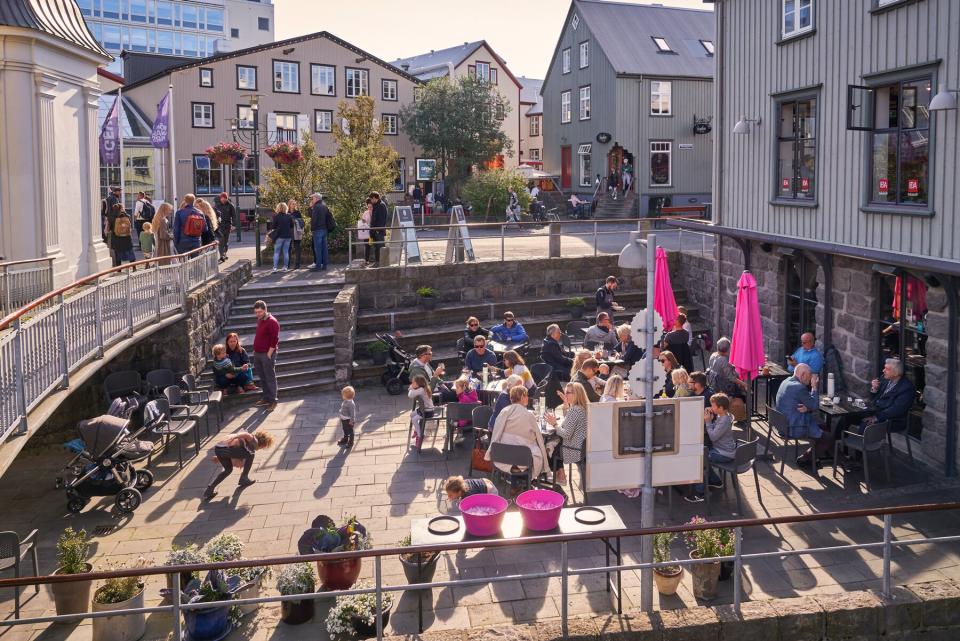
(345, 308)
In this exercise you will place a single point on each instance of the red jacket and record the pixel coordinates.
(268, 334)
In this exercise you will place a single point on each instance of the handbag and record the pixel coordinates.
(477, 460)
(272, 237)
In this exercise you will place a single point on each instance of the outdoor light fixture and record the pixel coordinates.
(743, 125)
(945, 100)
(634, 254)
(234, 124)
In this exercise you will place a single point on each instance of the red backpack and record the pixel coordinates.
(193, 225)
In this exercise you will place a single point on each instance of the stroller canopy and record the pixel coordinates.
(102, 433)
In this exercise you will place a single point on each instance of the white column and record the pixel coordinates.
(98, 255)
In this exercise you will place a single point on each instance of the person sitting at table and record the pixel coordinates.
(699, 387)
(613, 390)
(588, 376)
(479, 356)
(798, 400)
(420, 366)
(718, 425)
(573, 430)
(721, 375)
(509, 331)
(503, 398)
(601, 334)
(553, 353)
(626, 349)
(474, 329)
(514, 365)
(892, 398)
(677, 342)
(516, 425)
(669, 362)
(806, 353)
(681, 383)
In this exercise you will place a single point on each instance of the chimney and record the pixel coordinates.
(405, 66)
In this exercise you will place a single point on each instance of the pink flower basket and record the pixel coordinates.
(483, 513)
(540, 509)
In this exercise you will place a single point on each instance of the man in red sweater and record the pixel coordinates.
(265, 345)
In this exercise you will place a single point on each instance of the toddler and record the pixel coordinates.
(348, 416)
(224, 371)
(146, 240)
(465, 394)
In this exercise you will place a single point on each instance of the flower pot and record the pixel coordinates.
(366, 630)
(249, 591)
(338, 575)
(422, 572)
(72, 597)
(726, 570)
(207, 624)
(576, 313)
(428, 302)
(705, 578)
(667, 582)
(379, 358)
(296, 612)
(128, 627)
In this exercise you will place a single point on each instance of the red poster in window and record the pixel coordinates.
(785, 184)
(804, 185)
(913, 187)
(884, 186)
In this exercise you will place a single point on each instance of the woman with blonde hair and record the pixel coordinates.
(282, 236)
(573, 430)
(613, 390)
(578, 359)
(207, 210)
(163, 231)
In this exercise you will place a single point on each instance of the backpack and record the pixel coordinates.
(147, 212)
(121, 226)
(331, 222)
(194, 224)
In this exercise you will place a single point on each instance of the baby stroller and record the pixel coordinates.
(103, 465)
(397, 375)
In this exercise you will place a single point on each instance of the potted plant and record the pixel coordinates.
(120, 594)
(704, 544)
(284, 153)
(418, 567)
(189, 555)
(213, 622)
(226, 153)
(378, 351)
(576, 306)
(355, 617)
(296, 579)
(667, 578)
(229, 547)
(428, 297)
(325, 536)
(72, 549)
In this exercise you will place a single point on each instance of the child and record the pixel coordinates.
(348, 416)
(681, 383)
(459, 488)
(465, 394)
(237, 450)
(146, 240)
(224, 371)
(420, 389)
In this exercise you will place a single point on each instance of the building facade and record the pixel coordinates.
(627, 86)
(836, 186)
(299, 84)
(196, 29)
(531, 123)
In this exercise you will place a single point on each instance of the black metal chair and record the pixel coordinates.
(575, 331)
(906, 437)
(158, 380)
(204, 397)
(582, 468)
(512, 456)
(462, 350)
(481, 432)
(176, 428)
(122, 383)
(779, 422)
(181, 408)
(541, 372)
(13, 552)
(437, 418)
(456, 412)
(744, 460)
(874, 439)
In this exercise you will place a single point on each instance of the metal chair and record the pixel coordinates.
(743, 461)
(512, 456)
(906, 437)
(176, 428)
(481, 419)
(776, 420)
(180, 408)
(462, 350)
(122, 383)
(204, 397)
(873, 439)
(582, 468)
(438, 416)
(575, 331)
(456, 412)
(158, 380)
(541, 372)
(14, 551)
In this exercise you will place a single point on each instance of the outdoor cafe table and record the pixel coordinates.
(512, 528)
(774, 374)
(499, 347)
(844, 409)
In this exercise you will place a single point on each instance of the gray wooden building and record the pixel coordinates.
(627, 85)
(836, 156)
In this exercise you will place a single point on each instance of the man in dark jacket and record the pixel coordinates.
(605, 302)
(378, 225)
(892, 397)
(106, 207)
(553, 354)
(321, 224)
(227, 214)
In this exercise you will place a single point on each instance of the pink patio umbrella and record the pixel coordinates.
(663, 300)
(746, 348)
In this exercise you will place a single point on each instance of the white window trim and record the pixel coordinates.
(486, 65)
(285, 64)
(660, 93)
(566, 109)
(247, 68)
(390, 118)
(584, 101)
(535, 154)
(313, 88)
(209, 72)
(798, 30)
(669, 152)
(364, 82)
(585, 151)
(565, 60)
(534, 126)
(316, 126)
(584, 54)
(386, 82)
(199, 123)
(666, 44)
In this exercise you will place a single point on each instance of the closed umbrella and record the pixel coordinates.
(663, 300)
(746, 349)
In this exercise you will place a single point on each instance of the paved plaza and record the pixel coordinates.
(306, 474)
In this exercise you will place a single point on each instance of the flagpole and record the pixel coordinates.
(171, 148)
(123, 183)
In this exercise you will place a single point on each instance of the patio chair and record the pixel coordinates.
(462, 350)
(511, 456)
(181, 408)
(873, 439)
(122, 383)
(776, 420)
(574, 331)
(204, 397)
(456, 412)
(158, 380)
(176, 428)
(906, 437)
(13, 552)
(438, 416)
(582, 467)
(743, 461)
(481, 433)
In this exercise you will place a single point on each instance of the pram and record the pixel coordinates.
(397, 375)
(103, 466)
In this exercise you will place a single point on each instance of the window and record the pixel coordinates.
(585, 103)
(111, 9)
(399, 175)
(245, 117)
(660, 164)
(483, 71)
(164, 13)
(390, 124)
(661, 98)
(323, 80)
(138, 10)
(234, 33)
(263, 24)
(417, 93)
(322, 120)
(584, 152)
(535, 155)
(801, 299)
(246, 77)
(286, 76)
(111, 37)
(243, 176)
(662, 46)
(575, 22)
(215, 20)
(86, 7)
(707, 46)
(188, 15)
(565, 107)
(565, 56)
(884, 3)
(901, 143)
(164, 41)
(138, 39)
(189, 47)
(357, 82)
(796, 149)
(534, 126)
(206, 77)
(287, 128)
(388, 90)
(493, 76)
(202, 115)
(584, 54)
(207, 176)
(797, 17)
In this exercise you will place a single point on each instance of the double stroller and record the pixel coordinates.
(396, 377)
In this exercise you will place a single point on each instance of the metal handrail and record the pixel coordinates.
(20, 283)
(9, 263)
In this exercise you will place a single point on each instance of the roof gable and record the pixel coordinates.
(58, 18)
(426, 63)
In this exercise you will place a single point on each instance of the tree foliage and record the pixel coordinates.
(295, 180)
(458, 123)
(489, 191)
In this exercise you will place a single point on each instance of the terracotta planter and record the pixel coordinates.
(668, 582)
(130, 627)
(72, 597)
(706, 576)
(338, 575)
(296, 612)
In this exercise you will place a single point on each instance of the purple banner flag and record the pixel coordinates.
(160, 135)
(110, 136)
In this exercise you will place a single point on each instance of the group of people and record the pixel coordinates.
(289, 228)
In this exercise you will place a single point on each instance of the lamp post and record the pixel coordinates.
(253, 136)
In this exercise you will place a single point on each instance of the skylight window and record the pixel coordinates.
(662, 45)
(708, 46)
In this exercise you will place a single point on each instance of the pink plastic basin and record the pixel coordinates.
(483, 513)
(540, 509)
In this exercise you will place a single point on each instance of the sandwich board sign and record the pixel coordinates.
(459, 236)
(403, 236)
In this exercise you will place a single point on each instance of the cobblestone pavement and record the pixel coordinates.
(306, 474)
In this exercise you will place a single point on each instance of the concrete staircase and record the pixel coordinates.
(622, 207)
(303, 303)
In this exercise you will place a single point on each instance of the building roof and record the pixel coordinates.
(58, 18)
(432, 65)
(138, 65)
(530, 89)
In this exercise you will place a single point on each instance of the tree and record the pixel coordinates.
(295, 180)
(458, 123)
(489, 191)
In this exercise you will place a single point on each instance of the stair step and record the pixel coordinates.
(247, 301)
(297, 338)
(306, 322)
(288, 364)
(284, 391)
(284, 307)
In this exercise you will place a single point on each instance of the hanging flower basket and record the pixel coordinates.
(226, 153)
(284, 153)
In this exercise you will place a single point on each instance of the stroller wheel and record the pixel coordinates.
(144, 480)
(128, 499)
(76, 505)
(385, 378)
(394, 387)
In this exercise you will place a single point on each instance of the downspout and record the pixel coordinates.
(953, 307)
(718, 85)
(826, 261)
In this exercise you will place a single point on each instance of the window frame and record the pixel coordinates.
(384, 82)
(346, 81)
(880, 6)
(530, 153)
(798, 143)
(476, 72)
(711, 49)
(534, 131)
(333, 69)
(213, 189)
(583, 48)
(278, 128)
(260, 24)
(566, 115)
(395, 118)
(193, 115)
(236, 172)
(801, 264)
(200, 73)
(798, 31)
(273, 76)
(316, 128)
(586, 177)
(580, 99)
(660, 94)
(256, 80)
(565, 57)
(665, 48)
(252, 120)
(669, 152)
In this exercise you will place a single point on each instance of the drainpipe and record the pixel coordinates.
(953, 305)
(718, 85)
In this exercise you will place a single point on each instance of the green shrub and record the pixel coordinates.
(489, 192)
(72, 551)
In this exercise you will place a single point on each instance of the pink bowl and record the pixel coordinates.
(540, 509)
(488, 510)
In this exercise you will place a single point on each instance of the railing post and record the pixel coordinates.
(129, 303)
(98, 304)
(594, 238)
(563, 589)
(349, 247)
(737, 568)
(175, 597)
(182, 274)
(62, 343)
(19, 378)
(887, 550)
(503, 231)
(378, 578)
(156, 288)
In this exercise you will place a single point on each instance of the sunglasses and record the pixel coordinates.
(474, 324)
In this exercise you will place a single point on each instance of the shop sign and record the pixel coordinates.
(804, 185)
(913, 187)
(603, 137)
(884, 187)
(702, 125)
(785, 184)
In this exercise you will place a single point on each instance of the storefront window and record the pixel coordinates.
(801, 299)
(207, 176)
(903, 334)
(243, 176)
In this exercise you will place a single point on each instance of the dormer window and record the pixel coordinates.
(707, 46)
(662, 45)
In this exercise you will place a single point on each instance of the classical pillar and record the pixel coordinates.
(98, 255)
(49, 238)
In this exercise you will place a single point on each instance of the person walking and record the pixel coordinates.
(106, 206)
(321, 224)
(227, 213)
(282, 235)
(121, 240)
(238, 450)
(189, 226)
(163, 230)
(378, 225)
(147, 240)
(265, 344)
(296, 245)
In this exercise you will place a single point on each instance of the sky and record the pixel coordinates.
(522, 32)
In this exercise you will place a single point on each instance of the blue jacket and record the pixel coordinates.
(791, 394)
(503, 400)
(515, 334)
(811, 357)
(892, 402)
(179, 219)
(629, 352)
(474, 362)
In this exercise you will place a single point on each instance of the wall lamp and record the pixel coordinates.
(634, 253)
(945, 100)
(743, 125)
